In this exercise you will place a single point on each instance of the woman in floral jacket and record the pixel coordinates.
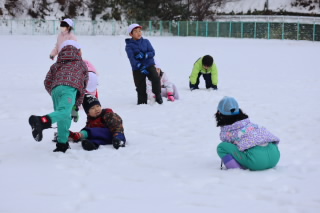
(244, 144)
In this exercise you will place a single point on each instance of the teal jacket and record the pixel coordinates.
(198, 67)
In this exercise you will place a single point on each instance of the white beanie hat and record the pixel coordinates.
(69, 21)
(70, 42)
(132, 27)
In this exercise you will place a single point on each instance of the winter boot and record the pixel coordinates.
(231, 163)
(61, 147)
(159, 99)
(170, 96)
(88, 145)
(39, 123)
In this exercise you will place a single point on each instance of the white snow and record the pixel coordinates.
(244, 6)
(170, 162)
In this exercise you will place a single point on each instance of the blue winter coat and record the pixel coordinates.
(133, 47)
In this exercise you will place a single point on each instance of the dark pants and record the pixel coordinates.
(141, 86)
(207, 79)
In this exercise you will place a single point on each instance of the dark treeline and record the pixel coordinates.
(136, 10)
(117, 9)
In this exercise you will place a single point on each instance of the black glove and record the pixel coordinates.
(51, 57)
(116, 142)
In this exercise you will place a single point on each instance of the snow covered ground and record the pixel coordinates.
(244, 6)
(170, 162)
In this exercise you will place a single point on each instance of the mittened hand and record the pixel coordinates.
(75, 114)
(117, 143)
(139, 56)
(51, 57)
(144, 71)
(75, 136)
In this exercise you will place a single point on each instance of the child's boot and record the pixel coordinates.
(170, 96)
(88, 145)
(61, 147)
(159, 99)
(230, 162)
(39, 123)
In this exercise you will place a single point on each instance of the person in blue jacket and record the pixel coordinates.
(140, 53)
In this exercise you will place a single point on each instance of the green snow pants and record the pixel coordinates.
(64, 98)
(255, 158)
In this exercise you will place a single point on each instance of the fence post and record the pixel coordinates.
(161, 28)
(268, 30)
(298, 31)
(218, 26)
(197, 25)
(314, 31)
(187, 28)
(33, 23)
(206, 28)
(93, 27)
(54, 27)
(150, 28)
(113, 27)
(255, 30)
(230, 28)
(178, 28)
(241, 29)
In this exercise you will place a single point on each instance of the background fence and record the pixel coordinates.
(272, 27)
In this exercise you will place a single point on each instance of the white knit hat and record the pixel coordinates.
(70, 42)
(69, 21)
(132, 27)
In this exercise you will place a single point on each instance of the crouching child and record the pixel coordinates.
(103, 126)
(244, 144)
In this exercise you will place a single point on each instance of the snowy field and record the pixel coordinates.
(170, 162)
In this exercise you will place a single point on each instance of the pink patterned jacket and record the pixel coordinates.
(246, 135)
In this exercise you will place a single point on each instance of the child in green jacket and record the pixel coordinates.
(206, 67)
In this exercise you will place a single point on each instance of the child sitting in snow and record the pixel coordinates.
(168, 89)
(244, 144)
(103, 126)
